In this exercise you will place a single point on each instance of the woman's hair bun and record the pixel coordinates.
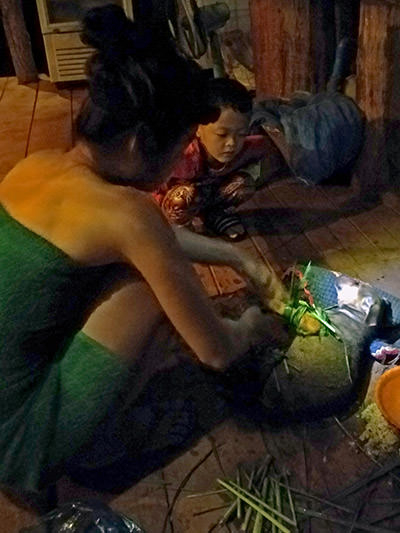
(139, 81)
(111, 32)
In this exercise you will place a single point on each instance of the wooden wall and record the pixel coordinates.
(378, 94)
(281, 42)
(294, 43)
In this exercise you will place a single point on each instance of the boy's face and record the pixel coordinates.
(224, 138)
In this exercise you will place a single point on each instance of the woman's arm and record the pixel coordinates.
(152, 248)
(203, 249)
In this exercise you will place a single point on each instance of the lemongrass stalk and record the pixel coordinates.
(211, 509)
(228, 514)
(247, 518)
(258, 522)
(278, 500)
(290, 498)
(256, 507)
(357, 525)
(285, 364)
(278, 387)
(317, 499)
(239, 503)
(347, 358)
(209, 493)
(306, 271)
(263, 471)
(231, 485)
(257, 504)
(271, 501)
(255, 488)
(249, 510)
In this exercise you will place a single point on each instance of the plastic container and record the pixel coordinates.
(387, 395)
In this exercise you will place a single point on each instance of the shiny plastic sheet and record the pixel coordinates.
(85, 517)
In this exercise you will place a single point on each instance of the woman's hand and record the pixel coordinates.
(266, 283)
(252, 329)
(215, 251)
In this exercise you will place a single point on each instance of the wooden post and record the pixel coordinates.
(378, 87)
(18, 40)
(323, 41)
(281, 44)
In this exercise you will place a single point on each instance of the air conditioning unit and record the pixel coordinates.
(60, 25)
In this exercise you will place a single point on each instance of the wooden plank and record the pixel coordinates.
(232, 447)
(15, 516)
(335, 256)
(184, 515)
(51, 126)
(16, 109)
(292, 227)
(314, 216)
(268, 234)
(370, 225)
(371, 222)
(227, 280)
(207, 279)
(256, 244)
(260, 249)
(373, 247)
(391, 200)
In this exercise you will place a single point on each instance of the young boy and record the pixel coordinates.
(220, 168)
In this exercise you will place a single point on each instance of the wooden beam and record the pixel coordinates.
(18, 40)
(281, 42)
(378, 86)
(323, 41)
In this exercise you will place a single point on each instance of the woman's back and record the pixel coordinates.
(58, 196)
(47, 387)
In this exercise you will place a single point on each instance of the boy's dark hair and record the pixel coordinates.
(138, 84)
(226, 92)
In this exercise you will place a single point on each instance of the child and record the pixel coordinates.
(220, 168)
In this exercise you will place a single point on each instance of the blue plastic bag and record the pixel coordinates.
(85, 517)
(324, 133)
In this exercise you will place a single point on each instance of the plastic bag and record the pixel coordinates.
(324, 133)
(364, 314)
(85, 517)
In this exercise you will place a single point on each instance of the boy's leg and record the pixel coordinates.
(219, 215)
(236, 190)
(179, 204)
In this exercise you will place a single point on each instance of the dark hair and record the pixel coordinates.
(138, 83)
(226, 92)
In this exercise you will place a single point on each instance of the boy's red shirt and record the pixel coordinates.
(192, 165)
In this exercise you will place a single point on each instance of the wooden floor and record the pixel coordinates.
(324, 224)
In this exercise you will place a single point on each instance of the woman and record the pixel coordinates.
(90, 269)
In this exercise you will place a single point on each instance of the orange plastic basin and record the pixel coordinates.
(387, 395)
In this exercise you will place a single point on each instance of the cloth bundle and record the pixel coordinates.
(324, 132)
